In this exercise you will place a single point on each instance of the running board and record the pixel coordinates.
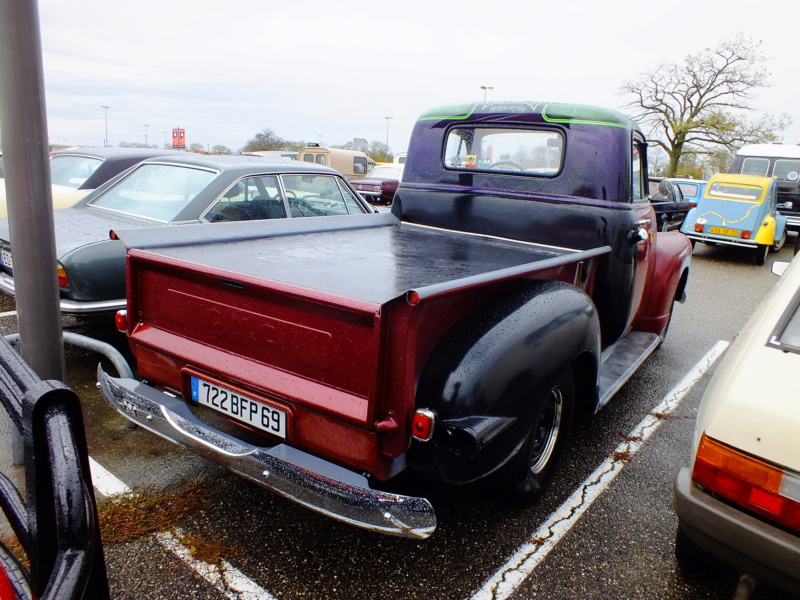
(620, 361)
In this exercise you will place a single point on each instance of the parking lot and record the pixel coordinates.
(605, 530)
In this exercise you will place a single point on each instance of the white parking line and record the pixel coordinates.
(105, 481)
(228, 580)
(528, 556)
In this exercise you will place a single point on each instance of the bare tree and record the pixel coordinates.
(220, 149)
(266, 139)
(697, 106)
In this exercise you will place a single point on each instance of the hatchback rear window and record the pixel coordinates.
(735, 191)
(155, 191)
(72, 171)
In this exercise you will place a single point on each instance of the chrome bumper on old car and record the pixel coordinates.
(311, 481)
(725, 241)
(71, 307)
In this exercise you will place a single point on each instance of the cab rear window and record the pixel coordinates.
(504, 150)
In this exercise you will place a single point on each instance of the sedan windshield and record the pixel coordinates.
(155, 191)
(72, 171)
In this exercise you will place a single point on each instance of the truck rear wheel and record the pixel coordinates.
(529, 473)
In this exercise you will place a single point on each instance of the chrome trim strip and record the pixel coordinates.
(308, 480)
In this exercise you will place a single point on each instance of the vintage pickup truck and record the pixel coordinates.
(518, 282)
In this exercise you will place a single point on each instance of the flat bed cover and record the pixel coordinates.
(375, 260)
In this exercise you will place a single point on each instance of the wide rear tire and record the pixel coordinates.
(526, 477)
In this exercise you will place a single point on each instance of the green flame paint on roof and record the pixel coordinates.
(580, 113)
(551, 112)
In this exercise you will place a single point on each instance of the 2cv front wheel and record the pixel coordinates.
(527, 476)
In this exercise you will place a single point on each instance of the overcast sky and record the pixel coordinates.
(333, 71)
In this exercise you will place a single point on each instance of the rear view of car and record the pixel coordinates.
(380, 185)
(738, 210)
(740, 499)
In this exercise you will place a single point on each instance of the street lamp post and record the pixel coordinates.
(387, 132)
(486, 88)
(145, 134)
(105, 115)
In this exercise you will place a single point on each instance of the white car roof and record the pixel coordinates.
(770, 150)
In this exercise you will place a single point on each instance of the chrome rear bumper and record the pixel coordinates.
(71, 307)
(306, 479)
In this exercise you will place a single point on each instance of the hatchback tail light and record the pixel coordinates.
(761, 487)
(698, 228)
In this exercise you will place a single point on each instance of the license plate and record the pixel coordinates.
(6, 256)
(724, 231)
(244, 409)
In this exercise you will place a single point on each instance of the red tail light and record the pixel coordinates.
(754, 484)
(746, 235)
(422, 425)
(121, 320)
(698, 228)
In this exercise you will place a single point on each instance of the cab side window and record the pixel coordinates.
(638, 189)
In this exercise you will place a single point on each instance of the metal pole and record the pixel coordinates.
(145, 134)
(105, 116)
(27, 176)
(387, 132)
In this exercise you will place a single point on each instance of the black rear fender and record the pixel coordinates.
(488, 374)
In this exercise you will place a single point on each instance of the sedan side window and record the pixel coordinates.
(315, 195)
(249, 199)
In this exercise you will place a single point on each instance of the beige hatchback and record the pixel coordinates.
(740, 499)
